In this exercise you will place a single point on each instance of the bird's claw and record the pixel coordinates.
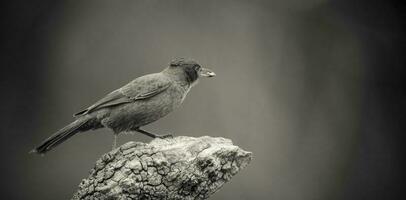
(165, 136)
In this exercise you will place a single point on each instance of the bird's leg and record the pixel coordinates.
(153, 135)
(114, 141)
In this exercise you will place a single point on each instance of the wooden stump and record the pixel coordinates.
(176, 168)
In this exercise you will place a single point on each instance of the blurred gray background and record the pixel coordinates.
(313, 88)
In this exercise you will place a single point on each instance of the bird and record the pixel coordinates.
(140, 102)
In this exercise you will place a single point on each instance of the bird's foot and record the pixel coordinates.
(164, 136)
(153, 135)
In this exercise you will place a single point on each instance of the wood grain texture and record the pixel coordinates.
(176, 168)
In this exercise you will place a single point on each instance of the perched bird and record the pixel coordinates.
(140, 102)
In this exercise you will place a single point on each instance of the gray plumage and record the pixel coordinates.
(138, 103)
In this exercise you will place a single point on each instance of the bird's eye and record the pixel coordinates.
(197, 67)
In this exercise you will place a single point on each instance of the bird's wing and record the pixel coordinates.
(114, 98)
(141, 88)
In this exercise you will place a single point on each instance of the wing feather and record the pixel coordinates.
(141, 88)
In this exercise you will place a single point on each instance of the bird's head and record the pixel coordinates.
(189, 69)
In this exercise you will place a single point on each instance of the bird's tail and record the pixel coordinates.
(61, 135)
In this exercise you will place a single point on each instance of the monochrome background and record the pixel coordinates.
(313, 88)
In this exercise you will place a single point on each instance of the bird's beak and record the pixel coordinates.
(206, 72)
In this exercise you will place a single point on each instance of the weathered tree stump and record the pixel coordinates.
(176, 168)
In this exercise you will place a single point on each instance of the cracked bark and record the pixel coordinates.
(178, 168)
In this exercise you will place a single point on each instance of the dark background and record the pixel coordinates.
(313, 88)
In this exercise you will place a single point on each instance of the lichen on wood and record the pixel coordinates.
(176, 168)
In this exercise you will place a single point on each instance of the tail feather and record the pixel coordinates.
(60, 136)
